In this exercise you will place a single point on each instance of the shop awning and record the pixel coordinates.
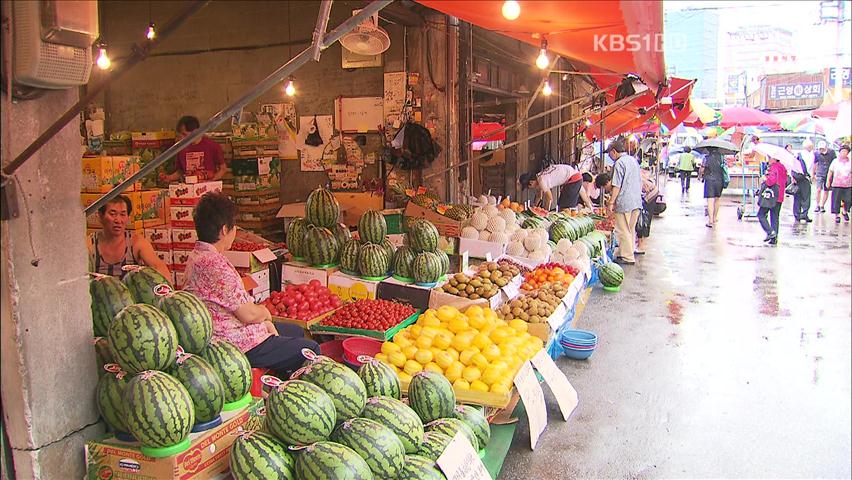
(701, 114)
(619, 36)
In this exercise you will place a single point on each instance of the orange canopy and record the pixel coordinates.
(619, 36)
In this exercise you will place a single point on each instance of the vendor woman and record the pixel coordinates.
(114, 247)
(559, 175)
(236, 318)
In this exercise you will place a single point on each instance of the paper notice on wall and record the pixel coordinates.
(354, 155)
(308, 142)
(565, 393)
(285, 120)
(461, 462)
(394, 96)
(533, 398)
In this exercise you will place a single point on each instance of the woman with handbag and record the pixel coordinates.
(771, 196)
(714, 173)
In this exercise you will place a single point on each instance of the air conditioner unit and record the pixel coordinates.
(53, 42)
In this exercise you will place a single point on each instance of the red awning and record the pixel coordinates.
(747, 117)
(481, 132)
(620, 36)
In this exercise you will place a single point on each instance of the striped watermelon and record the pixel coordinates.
(331, 461)
(374, 442)
(477, 422)
(259, 456)
(403, 259)
(299, 413)
(141, 282)
(232, 366)
(420, 468)
(372, 227)
(159, 410)
(103, 355)
(109, 296)
(322, 209)
(422, 236)
(379, 379)
(320, 246)
(611, 274)
(452, 426)
(109, 395)
(399, 417)
(339, 381)
(296, 236)
(203, 384)
(560, 229)
(191, 320)
(431, 396)
(426, 268)
(373, 260)
(349, 256)
(142, 338)
(434, 444)
(390, 250)
(445, 261)
(341, 233)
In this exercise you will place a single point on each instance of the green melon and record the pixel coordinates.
(417, 467)
(426, 268)
(142, 338)
(379, 379)
(259, 456)
(374, 442)
(109, 296)
(345, 388)
(191, 320)
(372, 227)
(331, 461)
(431, 395)
(320, 246)
(434, 444)
(373, 260)
(477, 422)
(399, 417)
(349, 257)
(109, 395)
(422, 236)
(452, 426)
(232, 366)
(296, 230)
(141, 282)
(159, 411)
(203, 384)
(322, 209)
(403, 260)
(300, 413)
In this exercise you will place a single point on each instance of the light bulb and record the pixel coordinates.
(290, 89)
(103, 62)
(150, 33)
(542, 61)
(546, 90)
(511, 9)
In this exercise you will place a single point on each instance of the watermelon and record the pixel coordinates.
(159, 410)
(434, 444)
(259, 456)
(426, 268)
(445, 261)
(331, 461)
(379, 379)
(341, 233)
(422, 236)
(141, 282)
(103, 355)
(322, 209)
(320, 246)
(390, 250)
(296, 235)
(611, 274)
(203, 384)
(559, 230)
(372, 227)
(109, 296)
(373, 261)
(452, 426)
(109, 395)
(399, 417)
(349, 256)
(142, 338)
(374, 442)
(431, 396)
(420, 468)
(339, 381)
(299, 413)
(477, 422)
(191, 320)
(232, 366)
(403, 259)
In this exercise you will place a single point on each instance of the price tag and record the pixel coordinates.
(557, 318)
(465, 261)
(562, 389)
(488, 256)
(513, 288)
(461, 462)
(533, 398)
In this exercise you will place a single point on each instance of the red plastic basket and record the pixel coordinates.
(355, 347)
(332, 349)
(256, 385)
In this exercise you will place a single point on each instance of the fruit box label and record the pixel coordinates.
(160, 238)
(393, 289)
(184, 238)
(180, 257)
(294, 272)
(350, 288)
(181, 217)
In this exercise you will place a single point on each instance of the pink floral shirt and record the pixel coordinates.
(211, 277)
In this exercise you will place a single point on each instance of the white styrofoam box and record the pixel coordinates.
(297, 272)
(190, 193)
(160, 238)
(261, 277)
(481, 248)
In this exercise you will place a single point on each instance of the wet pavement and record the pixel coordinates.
(720, 358)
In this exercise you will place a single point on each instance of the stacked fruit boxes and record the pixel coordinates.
(182, 201)
(256, 170)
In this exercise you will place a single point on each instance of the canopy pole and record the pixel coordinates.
(275, 77)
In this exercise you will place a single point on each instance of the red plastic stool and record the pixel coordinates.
(256, 385)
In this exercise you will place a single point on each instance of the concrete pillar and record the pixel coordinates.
(48, 362)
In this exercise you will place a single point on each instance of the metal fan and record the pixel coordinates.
(368, 38)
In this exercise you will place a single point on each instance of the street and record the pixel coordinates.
(720, 358)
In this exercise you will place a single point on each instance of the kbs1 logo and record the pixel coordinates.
(635, 42)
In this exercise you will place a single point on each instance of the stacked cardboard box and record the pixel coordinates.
(183, 198)
(147, 145)
(255, 187)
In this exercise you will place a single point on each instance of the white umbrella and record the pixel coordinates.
(779, 153)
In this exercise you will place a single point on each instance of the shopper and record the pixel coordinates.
(114, 246)
(593, 191)
(203, 159)
(840, 182)
(236, 318)
(801, 175)
(775, 179)
(650, 192)
(625, 199)
(712, 172)
(558, 175)
(686, 165)
(822, 161)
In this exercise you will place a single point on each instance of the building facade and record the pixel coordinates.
(750, 52)
(692, 49)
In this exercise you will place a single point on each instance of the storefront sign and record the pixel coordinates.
(832, 77)
(562, 389)
(461, 462)
(533, 398)
(796, 91)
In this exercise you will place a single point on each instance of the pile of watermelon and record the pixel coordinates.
(318, 237)
(370, 255)
(161, 371)
(343, 425)
(420, 260)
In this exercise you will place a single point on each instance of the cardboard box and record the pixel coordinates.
(101, 174)
(481, 248)
(298, 272)
(253, 183)
(253, 261)
(206, 459)
(350, 288)
(261, 280)
(180, 278)
(152, 207)
(124, 167)
(160, 238)
(180, 258)
(354, 204)
(393, 289)
(184, 238)
(265, 199)
(165, 256)
(188, 194)
(438, 299)
(446, 226)
(181, 217)
(255, 166)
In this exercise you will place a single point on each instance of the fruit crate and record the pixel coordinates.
(306, 324)
(358, 332)
(487, 399)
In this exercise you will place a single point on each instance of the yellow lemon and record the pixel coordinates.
(480, 341)
(429, 321)
(479, 360)
(471, 373)
(478, 386)
(454, 353)
(447, 313)
(402, 341)
(457, 324)
(388, 348)
(453, 371)
(397, 359)
(423, 342)
(466, 356)
(423, 356)
(433, 367)
(500, 388)
(498, 336)
(409, 351)
(403, 377)
(381, 357)
(519, 325)
(444, 359)
(411, 367)
(491, 352)
(461, 384)
(460, 342)
(428, 332)
(442, 341)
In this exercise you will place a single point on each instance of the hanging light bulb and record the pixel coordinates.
(511, 9)
(103, 62)
(542, 61)
(546, 90)
(150, 33)
(290, 88)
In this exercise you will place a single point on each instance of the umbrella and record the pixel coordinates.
(717, 143)
(780, 153)
(744, 116)
(830, 111)
(809, 125)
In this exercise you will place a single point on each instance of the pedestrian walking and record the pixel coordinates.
(686, 165)
(800, 172)
(822, 161)
(625, 199)
(714, 173)
(840, 181)
(772, 195)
